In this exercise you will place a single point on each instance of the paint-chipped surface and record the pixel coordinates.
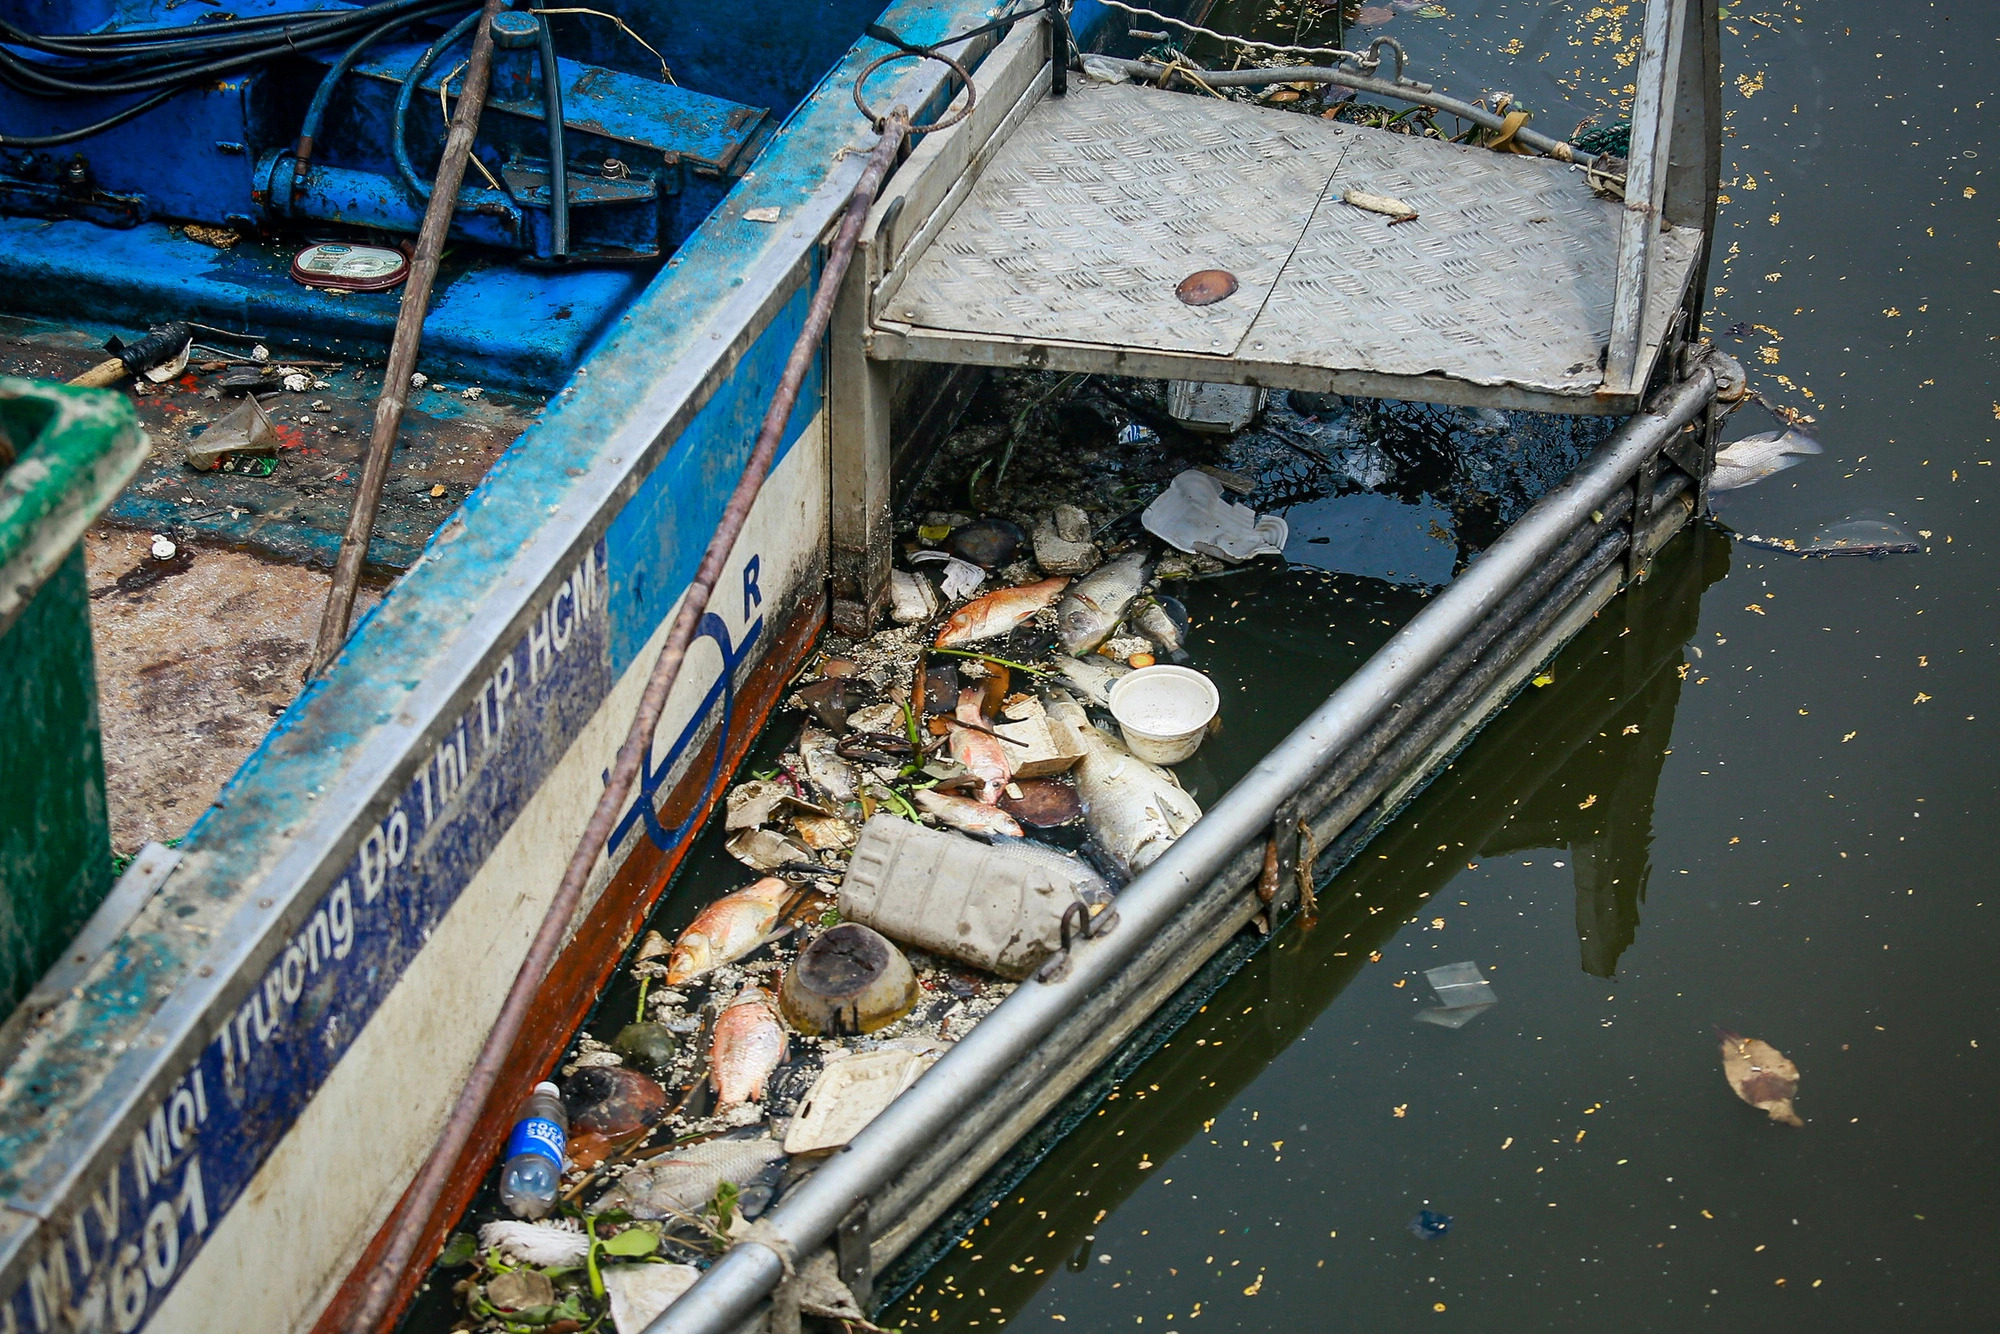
(191, 670)
(447, 443)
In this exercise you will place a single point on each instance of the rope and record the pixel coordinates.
(1199, 31)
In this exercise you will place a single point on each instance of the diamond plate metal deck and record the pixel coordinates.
(1102, 201)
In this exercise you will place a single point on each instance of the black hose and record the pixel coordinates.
(178, 63)
(323, 95)
(71, 136)
(552, 109)
(411, 82)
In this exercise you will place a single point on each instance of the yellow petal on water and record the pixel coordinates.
(1587, 802)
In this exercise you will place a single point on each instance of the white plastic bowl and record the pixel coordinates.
(1164, 711)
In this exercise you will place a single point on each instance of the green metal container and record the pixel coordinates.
(66, 453)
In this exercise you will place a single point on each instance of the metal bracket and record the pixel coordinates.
(1086, 925)
(853, 1253)
(1641, 520)
(1058, 50)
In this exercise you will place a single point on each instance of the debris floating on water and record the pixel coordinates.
(1760, 1075)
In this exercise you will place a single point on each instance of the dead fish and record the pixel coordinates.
(974, 817)
(1761, 1075)
(1155, 618)
(685, 1180)
(1755, 457)
(727, 929)
(1134, 810)
(1064, 866)
(825, 769)
(1093, 676)
(999, 612)
(983, 754)
(1097, 602)
(749, 1044)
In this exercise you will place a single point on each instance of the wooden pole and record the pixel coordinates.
(403, 348)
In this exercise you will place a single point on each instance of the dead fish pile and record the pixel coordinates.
(933, 754)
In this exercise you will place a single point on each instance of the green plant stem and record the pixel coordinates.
(988, 657)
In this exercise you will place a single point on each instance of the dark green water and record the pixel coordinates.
(1797, 842)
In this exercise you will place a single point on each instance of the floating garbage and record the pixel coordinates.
(1163, 712)
(850, 980)
(1866, 534)
(851, 1092)
(1462, 993)
(1192, 516)
(639, 1293)
(987, 543)
(1429, 1225)
(548, 1245)
(1750, 460)
(1215, 408)
(532, 1163)
(1062, 542)
(996, 907)
(612, 1101)
(646, 1043)
(1760, 1075)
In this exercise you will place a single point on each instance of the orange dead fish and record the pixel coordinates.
(983, 754)
(1761, 1075)
(749, 1044)
(998, 612)
(727, 929)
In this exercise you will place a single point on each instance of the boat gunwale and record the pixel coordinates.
(338, 757)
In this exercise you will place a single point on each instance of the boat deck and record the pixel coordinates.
(1068, 250)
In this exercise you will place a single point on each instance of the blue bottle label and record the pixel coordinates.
(537, 1134)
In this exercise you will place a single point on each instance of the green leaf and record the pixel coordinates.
(632, 1242)
(725, 1204)
(460, 1250)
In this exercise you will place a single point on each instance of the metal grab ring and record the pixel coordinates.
(877, 120)
(1374, 61)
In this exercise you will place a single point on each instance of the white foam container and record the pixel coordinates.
(1163, 712)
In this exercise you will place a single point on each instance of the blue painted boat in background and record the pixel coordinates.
(207, 1115)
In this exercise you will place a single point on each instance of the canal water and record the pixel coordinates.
(1756, 794)
(1760, 794)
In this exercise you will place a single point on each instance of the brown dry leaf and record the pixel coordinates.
(1761, 1075)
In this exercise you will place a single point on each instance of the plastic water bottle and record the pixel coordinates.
(532, 1172)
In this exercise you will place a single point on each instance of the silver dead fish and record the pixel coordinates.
(1153, 618)
(1096, 603)
(1134, 810)
(832, 775)
(1755, 457)
(1092, 677)
(683, 1181)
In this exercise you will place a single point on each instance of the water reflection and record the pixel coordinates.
(1524, 783)
(1594, 797)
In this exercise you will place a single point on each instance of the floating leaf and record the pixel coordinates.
(1761, 1075)
(460, 1250)
(633, 1242)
